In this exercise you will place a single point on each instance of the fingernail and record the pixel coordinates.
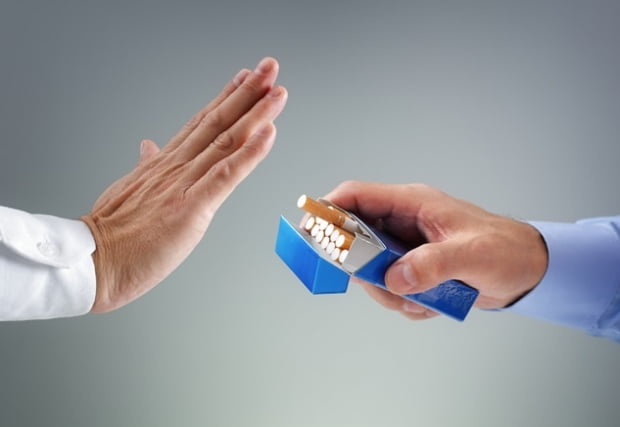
(264, 65)
(276, 92)
(412, 307)
(142, 147)
(240, 77)
(402, 276)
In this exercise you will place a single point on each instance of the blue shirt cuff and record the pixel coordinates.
(581, 287)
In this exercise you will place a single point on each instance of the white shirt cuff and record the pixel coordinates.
(46, 266)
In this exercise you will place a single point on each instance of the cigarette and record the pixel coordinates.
(344, 240)
(332, 229)
(343, 256)
(309, 224)
(322, 223)
(330, 248)
(329, 214)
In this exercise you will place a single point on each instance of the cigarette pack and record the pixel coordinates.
(367, 256)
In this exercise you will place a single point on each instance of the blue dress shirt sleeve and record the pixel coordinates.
(581, 287)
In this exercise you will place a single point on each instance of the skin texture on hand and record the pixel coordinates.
(149, 221)
(452, 239)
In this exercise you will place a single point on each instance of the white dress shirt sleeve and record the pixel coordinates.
(46, 266)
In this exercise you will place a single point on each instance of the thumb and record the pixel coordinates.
(148, 149)
(424, 268)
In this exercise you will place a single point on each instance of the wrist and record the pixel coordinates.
(536, 263)
(102, 302)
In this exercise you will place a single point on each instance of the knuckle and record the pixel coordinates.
(254, 148)
(426, 265)
(484, 245)
(225, 141)
(270, 131)
(213, 120)
(223, 171)
(425, 190)
(349, 185)
(258, 145)
(252, 86)
(193, 122)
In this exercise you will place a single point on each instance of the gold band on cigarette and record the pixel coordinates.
(320, 210)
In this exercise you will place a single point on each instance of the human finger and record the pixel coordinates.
(231, 109)
(427, 266)
(374, 200)
(393, 302)
(210, 191)
(383, 297)
(148, 149)
(399, 208)
(227, 142)
(423, 313)
(191, 124)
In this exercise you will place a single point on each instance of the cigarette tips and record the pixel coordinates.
(344, 239)
(333, 230)
(335, 241)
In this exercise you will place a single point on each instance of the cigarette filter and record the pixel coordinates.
(368, 258)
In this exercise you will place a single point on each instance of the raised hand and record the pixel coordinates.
(148, 222)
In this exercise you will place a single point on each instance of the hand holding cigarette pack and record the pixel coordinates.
(333, 244)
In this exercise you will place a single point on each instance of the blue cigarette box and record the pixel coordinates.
(370, 255)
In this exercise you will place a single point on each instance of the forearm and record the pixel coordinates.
(46, 266)
(581, 287)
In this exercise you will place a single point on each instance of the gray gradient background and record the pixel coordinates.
(512, 105)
